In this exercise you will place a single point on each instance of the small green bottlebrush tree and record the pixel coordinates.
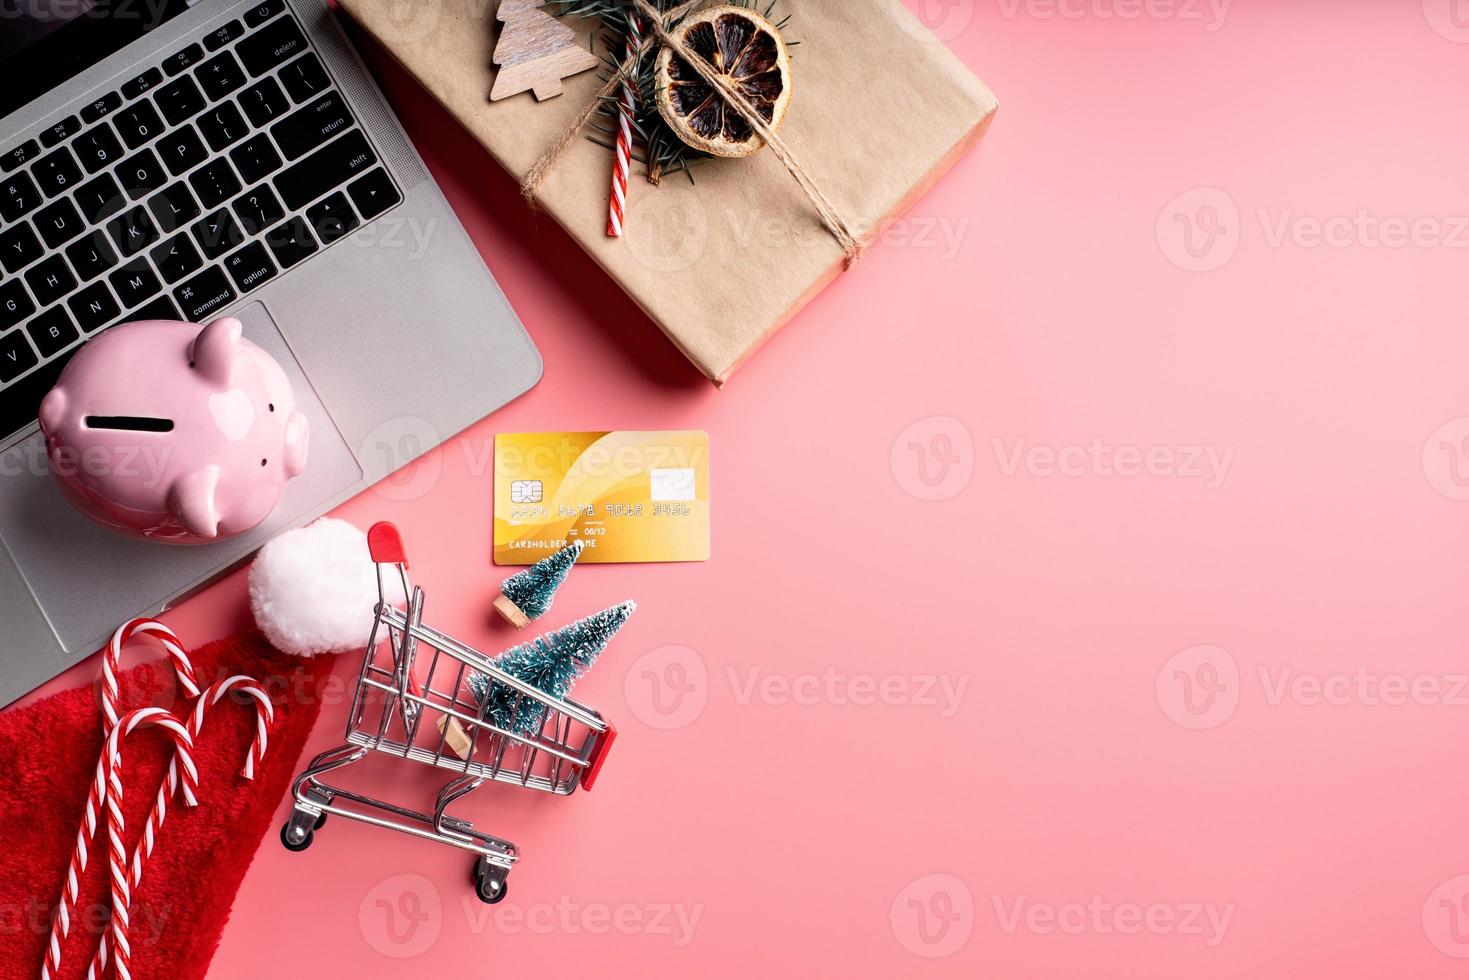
(528, 594)
(551, 663)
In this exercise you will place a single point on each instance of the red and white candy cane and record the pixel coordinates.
(111, 655)
(264, 716)
(627, 107)
(107, 790)
(182, 668)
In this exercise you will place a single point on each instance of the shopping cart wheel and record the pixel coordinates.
(320, 821)
(294, 843)
(489, 881)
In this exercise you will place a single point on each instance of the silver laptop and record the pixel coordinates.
(176, 159)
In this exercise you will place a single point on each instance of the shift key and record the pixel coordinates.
(307, 128)
(325, 170)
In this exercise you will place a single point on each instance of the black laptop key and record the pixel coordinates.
(19, 155)
(141, 84)
(176, 258)
(59, 223)
(223, 126)
(305, 78)
(331, 218)
(182, 150)
(50, 280)
(18, 196)
(141, 174)
(173, 207)
(100, 197)
(291, 242)
(258, 209)
(15, 304)
(220, 75)
(223, 35)
(91, 256)
(373, 194)
(57, 172)
(255, 158)
(132, 231)
(161, 308)
(271, 45)
(60, 132)
(214, 183)
(103, 106)
(98, 148)
(16, 357)
(217, 234)
(135, 282)
(19, 247)
(205, 293)
(327, 168)
(264, 11)
(52, 331)
(180, 99)
(309, 127)
(138, 124)
(182, 60)
(93, 309)
(264, 102)
(250, 267)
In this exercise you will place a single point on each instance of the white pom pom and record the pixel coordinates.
(313, 589)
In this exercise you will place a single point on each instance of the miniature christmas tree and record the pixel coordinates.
(535, 51)
(527, 595)
(551, 663)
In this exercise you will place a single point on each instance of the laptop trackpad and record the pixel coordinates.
(88, 579)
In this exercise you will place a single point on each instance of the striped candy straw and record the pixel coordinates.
(143, 849)
(61, 921)
(107, 789)
(626, 108)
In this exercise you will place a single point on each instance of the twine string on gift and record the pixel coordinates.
(659, 23)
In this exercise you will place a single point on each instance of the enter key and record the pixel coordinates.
(309, 127)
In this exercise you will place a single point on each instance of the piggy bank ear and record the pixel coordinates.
(191, 500)
(213, 351)
(53, 409)
(298, 436)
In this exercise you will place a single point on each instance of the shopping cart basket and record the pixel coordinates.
(438, 722)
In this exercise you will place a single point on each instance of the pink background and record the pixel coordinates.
(1186, 691)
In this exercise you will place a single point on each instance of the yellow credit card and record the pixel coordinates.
(631, 496)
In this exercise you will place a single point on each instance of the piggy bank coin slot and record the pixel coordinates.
(129, 423)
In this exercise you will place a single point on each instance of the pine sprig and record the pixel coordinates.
(659, 148)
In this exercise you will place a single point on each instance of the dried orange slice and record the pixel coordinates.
(747, 50)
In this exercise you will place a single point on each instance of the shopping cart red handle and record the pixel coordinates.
(385, 544)
(599, 755)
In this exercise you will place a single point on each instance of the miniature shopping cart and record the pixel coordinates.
(542, 742)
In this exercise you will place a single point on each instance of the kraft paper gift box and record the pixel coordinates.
(880, 110)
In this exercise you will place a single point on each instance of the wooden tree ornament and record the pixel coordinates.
(535, 52)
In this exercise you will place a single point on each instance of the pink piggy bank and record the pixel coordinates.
(172, 431)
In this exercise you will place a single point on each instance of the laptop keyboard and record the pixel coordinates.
(196, 182)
